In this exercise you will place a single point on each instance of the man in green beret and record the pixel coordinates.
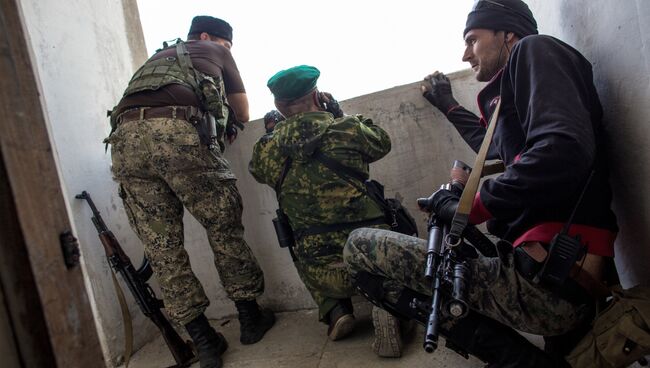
(323, 205)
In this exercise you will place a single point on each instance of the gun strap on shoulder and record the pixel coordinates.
(285, 170)
(185, 62)
(466, 201)
(338, 168)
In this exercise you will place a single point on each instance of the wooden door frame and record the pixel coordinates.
(46, 302)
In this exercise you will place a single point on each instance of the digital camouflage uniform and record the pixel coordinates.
(161, 167)
(495, 289)
(313, 195)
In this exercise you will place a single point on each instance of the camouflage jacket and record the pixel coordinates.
(313, 195)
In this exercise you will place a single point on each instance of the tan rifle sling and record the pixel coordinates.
(461, 217)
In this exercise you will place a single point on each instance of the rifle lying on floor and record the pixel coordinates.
(136, 280)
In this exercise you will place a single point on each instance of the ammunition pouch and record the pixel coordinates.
(214, 100)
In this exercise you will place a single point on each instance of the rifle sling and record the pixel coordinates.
(338, 168)
(461, 217)
(126, 318)
(344, 172)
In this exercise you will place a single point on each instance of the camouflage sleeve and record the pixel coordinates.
(372, 140)
(266, 164)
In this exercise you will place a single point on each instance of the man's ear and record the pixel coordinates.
(204, 36)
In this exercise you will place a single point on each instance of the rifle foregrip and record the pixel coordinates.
(109, 243)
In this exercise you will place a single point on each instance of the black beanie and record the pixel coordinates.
(212, 26)
(502, 15)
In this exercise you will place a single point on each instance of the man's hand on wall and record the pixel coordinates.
(437, 90)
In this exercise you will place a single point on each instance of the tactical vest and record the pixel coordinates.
(165, 71)
(158, 73)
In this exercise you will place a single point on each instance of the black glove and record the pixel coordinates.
(443, 203)
(331, 105)
(231, 133)
(272, 118)
(437, 90)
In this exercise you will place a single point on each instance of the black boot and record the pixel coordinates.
(341, 320)
(209, 344)
(497, 344)
(253, 321)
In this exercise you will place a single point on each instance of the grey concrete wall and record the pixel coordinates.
(614, 36)
(83, 57)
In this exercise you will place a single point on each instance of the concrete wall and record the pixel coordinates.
(84, 54)
(613, 35)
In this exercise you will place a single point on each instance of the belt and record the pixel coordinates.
(173, 112)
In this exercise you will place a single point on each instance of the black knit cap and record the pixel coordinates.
(502, 15)
(212, 26)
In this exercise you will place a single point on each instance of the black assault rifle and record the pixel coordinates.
(136, 280)
(446, 268)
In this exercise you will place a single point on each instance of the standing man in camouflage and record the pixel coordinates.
(322, 206)
(162, 166)
(550, 136)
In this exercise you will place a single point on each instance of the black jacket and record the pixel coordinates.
(550, 136)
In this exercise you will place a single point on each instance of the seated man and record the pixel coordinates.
(322, 205)
(549, 134)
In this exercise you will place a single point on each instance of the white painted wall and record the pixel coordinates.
(83, 60)
(615, 37)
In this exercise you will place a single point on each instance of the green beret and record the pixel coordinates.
(294, 82)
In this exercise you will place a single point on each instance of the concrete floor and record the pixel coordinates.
(298, 340)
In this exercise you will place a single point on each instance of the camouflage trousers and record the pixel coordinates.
(496, 289)
(161, 168)
(319, 262)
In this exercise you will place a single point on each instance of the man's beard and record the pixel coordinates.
(491, 67)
